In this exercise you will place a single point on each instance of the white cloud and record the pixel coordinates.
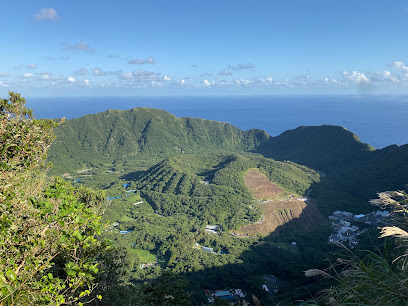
(225, 72)
(143, 75)
(268, 80)
(357, 77)
(71, 79)
(330, 81)
(4, 74)
(100, 72)
(27, 75)
(144, 78)
(47, 14)
(149, 60)
(206, 83)
(2, 84)
(242, 82)
(386, 77)
(241, 66)
(390, 77)
(126, 76)
(79, 47)
(81, 71)
(47, 76)
(399, 65)
(32, 66)
(87, 82)
(156, 84)
(396, 65)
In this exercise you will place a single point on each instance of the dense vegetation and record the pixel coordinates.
(116, 136)
(211, 187)
(188, 173)
(165, 179)
(49, 253)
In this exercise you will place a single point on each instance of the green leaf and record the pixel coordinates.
(11, 275)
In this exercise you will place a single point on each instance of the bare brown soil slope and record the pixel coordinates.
(298, 215)
(260, 186)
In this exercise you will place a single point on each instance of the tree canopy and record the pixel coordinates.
(48, 229)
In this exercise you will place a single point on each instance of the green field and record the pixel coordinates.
(146, 256)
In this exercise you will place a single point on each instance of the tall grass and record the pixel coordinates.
(377, 278)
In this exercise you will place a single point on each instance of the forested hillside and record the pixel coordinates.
(356, 166)
(115, 137)
(168, 178)
(118, 136)
(211, 187)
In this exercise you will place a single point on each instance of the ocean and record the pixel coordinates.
(378, 120)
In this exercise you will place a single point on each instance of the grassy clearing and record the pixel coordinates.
(146, 256)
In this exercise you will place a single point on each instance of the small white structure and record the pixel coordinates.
(208, 250)
(293, 244)
(137, 203)
(264, 287)
(212, 229)
(382, 213)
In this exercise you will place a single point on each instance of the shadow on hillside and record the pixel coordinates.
(132, 175)
(276, 255)
(209, 174)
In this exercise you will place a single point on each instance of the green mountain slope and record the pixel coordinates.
(211, 187)
(356, 166)
(321, 147)
(117, 136)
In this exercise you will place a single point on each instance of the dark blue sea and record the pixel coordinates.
(378, 120)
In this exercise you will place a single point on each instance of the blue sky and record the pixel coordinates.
(214, 47)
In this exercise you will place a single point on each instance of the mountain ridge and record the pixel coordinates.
(117, 136)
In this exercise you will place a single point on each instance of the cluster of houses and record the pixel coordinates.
(345, 231)
(231, 296)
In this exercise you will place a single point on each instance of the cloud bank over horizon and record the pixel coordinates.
(87, 50)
